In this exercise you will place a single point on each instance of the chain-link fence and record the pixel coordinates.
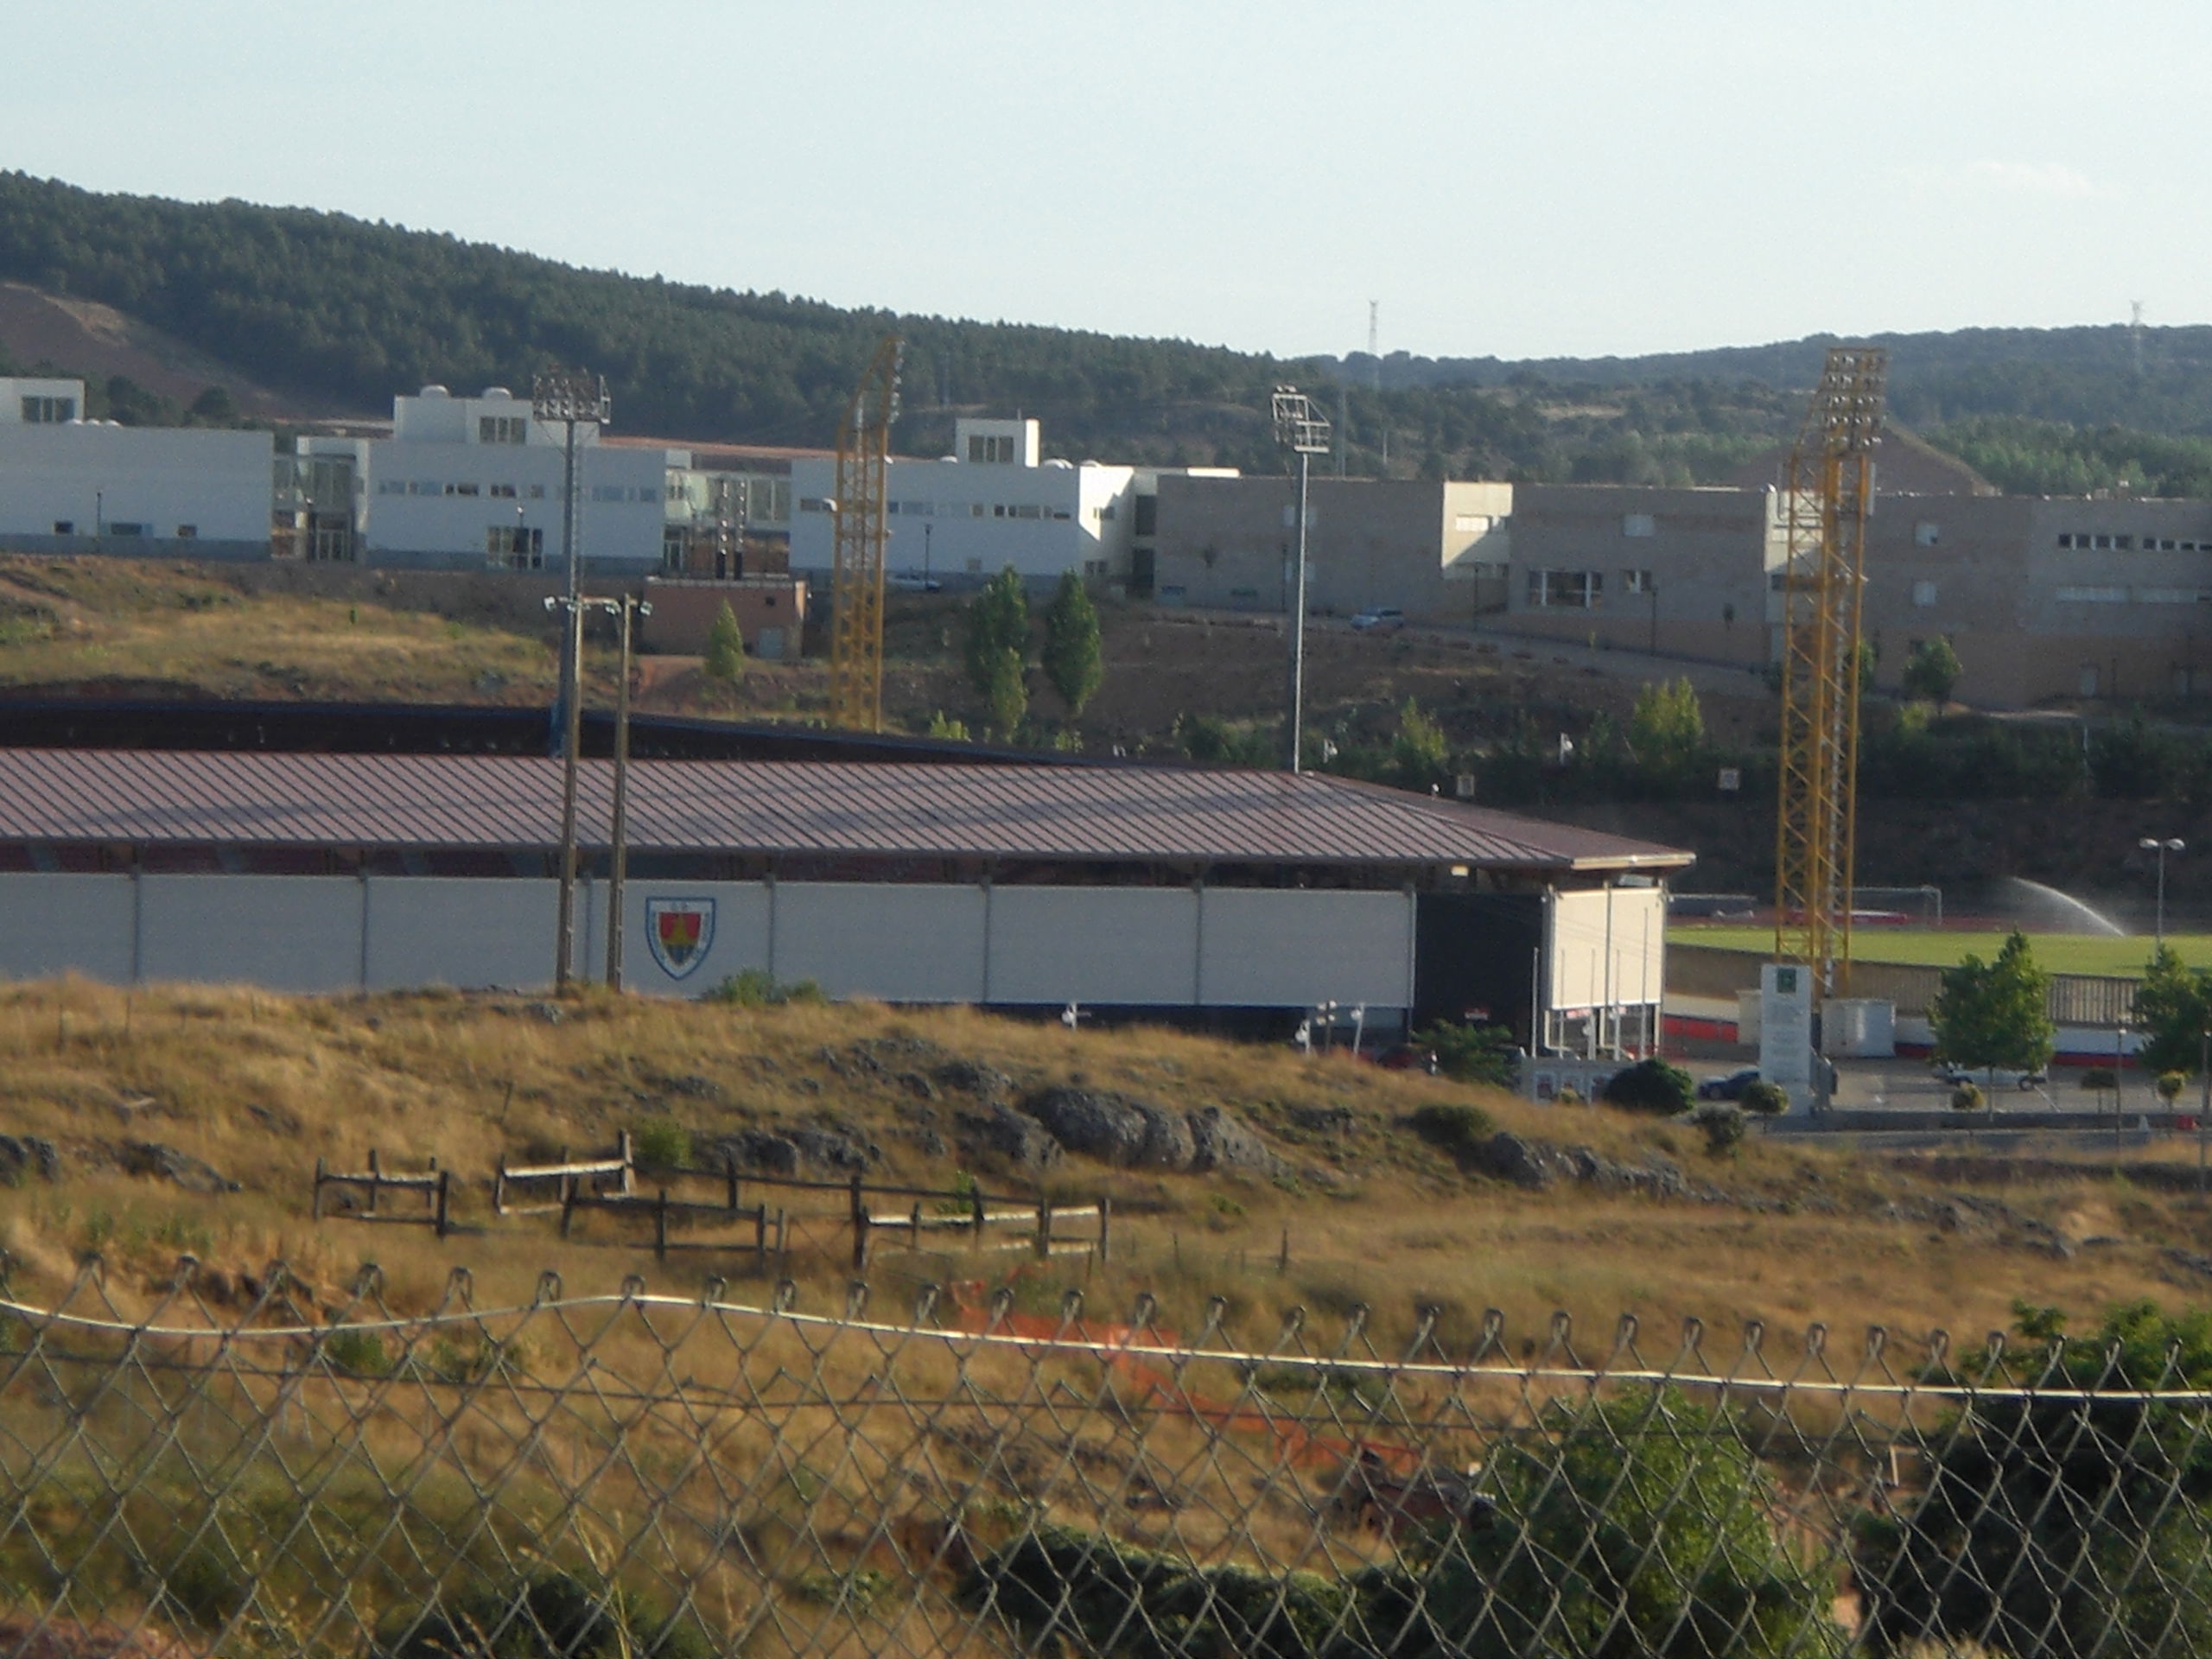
(633, 1475)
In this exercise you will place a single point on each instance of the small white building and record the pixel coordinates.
(68, 485)
(990, 504)
(476, 482)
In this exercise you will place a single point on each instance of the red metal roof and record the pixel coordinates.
(801, 807)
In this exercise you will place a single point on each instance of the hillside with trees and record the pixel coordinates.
(338, 310)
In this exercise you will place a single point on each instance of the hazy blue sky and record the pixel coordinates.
(1580, 176)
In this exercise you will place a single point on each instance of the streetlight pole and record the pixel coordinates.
(572, 399)
(2171, 844)
(618, 857)
(1303, 429)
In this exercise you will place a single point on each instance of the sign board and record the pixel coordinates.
(1786, 1030)
(1732, 779)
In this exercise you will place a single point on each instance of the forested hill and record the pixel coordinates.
(340, 310)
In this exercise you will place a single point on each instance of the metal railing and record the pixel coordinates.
(617, 1476)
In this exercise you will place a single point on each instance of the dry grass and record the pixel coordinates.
(259, 1086)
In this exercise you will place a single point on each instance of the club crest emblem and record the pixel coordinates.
(680, 933)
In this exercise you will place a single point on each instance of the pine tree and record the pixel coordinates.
(1071, 654)
(2173, 1006)
(726, 647)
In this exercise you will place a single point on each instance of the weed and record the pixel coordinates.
(661, 1141)
(756, 987)
(1451, 1126)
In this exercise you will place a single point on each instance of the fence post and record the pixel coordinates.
(1282, 1262)
(1105, 1225)
(317, 1208)
(977, 1205)
(859, 1227)
(376, 1180)
(783, 1238)
(914, 1230)
(499, 1187)
(729, 1178)
(629, 1162)
(660, 1227)
(761, 1238)
(1044, 1229)
(568, 1201)
(444, 1223)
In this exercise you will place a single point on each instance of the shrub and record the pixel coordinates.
(756, 987)
(1968, 1097)
(1650, 1085)
(2060, 1526)
(2100, 1078)
(548, 1616)
(1451, 1126)
(1638, 1525)
(1724, 1123)
(2169, 1085)
(661, 1141)
(1471, 1053)
(1765, 1099)
(357, 1353)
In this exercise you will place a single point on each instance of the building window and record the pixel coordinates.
(990, 448)
(1573, 590)
(186, 532)
(2066, 538)
(538, 491)
(125, 528)
(812, 503)
(425, 487)
(1924, 595)
(1927, 533)
(2123, 544)
(1637, 582)
(1471, 523)
(463, 489)
(1639, 524)
(1094, 567)
(48, 411)
(65, 527)
(515, 547)
(503, 429)
(506, 492)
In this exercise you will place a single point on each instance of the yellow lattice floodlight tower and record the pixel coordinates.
(856, 570)
(1827, 494)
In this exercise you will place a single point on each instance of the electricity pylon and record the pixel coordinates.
(1828, 493)
(856, 573)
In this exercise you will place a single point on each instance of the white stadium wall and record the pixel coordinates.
(1219, 947)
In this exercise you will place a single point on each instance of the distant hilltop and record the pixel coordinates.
(227, 312)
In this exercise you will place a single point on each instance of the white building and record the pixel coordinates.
(990, 504)
(72, 485)
(476, 482)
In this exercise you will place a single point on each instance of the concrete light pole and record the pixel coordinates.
(1304, 430)
(571, 399)
(2152, 844)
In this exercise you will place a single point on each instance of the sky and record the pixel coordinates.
(1546, 178)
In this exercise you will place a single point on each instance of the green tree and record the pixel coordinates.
(1665, 731)
(1650, 1085)
(1421, 755)
(2173, 1008)
(725, 647)
(997, 650)
(2060, 1526)
(1994, 1013)
(1931, 671)
(1642, 1525)
(1072, 657)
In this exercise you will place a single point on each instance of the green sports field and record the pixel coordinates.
(2060, 953)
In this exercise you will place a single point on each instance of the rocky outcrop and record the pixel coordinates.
(152, 1158)
(1535, 1164)
(1134, 1133)
(24, 1157)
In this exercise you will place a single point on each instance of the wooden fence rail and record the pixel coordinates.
(608, 1182)
(434, 1184)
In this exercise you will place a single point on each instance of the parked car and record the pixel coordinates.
(1386, 618)
(1952, 1074)
(1729, 1087)
(911, 581)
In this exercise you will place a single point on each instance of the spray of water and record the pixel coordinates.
(2046, 909)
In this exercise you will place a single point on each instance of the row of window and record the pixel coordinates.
(2088, 541)
(514, 547)
(1581, 590)
(50, 411)
(954, 509)
(994, 448)
(503, 429)
(2133, 595)
(125, 527)
(534, 491)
